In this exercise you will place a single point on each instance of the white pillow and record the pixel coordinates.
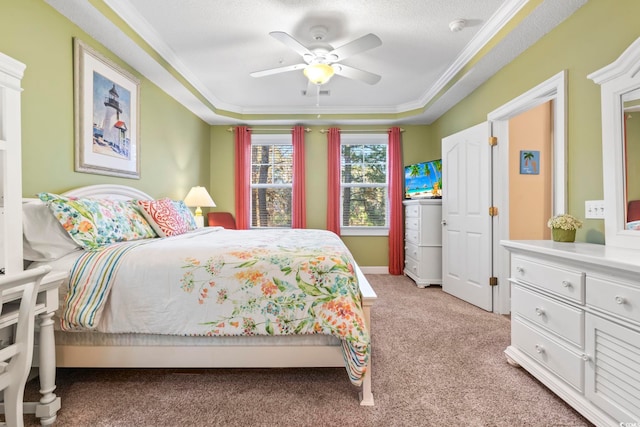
(43, 237)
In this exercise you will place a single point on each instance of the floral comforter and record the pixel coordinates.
(216, 282)
(633, 225)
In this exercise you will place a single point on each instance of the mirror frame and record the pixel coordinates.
(615, 80)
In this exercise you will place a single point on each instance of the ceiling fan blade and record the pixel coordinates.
(277, 70)
(294, 44)
(356, 46)
(356, 74)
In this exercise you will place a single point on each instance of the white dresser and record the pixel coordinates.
(575, 324)
(423, 241)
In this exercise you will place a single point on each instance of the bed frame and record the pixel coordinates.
(181, 356)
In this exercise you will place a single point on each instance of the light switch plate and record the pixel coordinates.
(594, 209)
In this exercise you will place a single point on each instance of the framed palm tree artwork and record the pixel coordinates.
(529, 162)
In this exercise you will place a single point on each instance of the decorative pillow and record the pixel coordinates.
(185, 213)
(43, 236)
(94, 223)
(164, 217)
(137, 220)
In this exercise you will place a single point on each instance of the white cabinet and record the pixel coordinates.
(423, 241)
(575, 324)
(11, 252)
(11, 72)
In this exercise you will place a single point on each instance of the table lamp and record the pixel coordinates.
(198, 197)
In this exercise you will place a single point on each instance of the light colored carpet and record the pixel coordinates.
(437, 361)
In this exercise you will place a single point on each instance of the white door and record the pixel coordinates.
(466, 233)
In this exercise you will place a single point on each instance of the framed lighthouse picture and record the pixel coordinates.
(107, 115)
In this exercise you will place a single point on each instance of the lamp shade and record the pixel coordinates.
(198, 197)
(319, 73)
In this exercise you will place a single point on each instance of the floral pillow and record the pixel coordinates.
(185, 213)
(93, 223)
(166, 218)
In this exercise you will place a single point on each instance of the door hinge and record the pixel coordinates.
(493, 281)
(493, 211)
(493, 140)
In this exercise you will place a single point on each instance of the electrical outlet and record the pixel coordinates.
(594, 209)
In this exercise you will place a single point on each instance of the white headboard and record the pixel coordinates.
(108, 191)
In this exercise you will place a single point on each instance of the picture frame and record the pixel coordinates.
(529, 162)
(107, 115)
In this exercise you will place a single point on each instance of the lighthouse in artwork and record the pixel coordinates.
(114, 128)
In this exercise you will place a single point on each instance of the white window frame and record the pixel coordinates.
(363, 139)
(269, 139)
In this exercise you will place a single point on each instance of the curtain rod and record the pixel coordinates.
(231, 129)
(360, 130)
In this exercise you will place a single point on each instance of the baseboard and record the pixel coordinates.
(383, 269)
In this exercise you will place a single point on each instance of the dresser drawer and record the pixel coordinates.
(412, 236)
(561, 361)
(423, 264)
(427, 259)
(412, 211)
(551, 277)
(412, 223)
(412, 266)
(614, 297)
(412, 251)
(563, 320)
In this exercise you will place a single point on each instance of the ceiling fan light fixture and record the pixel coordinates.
(319, 73)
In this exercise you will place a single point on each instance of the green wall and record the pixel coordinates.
(174, 143)
(594, 36)
(367, 250)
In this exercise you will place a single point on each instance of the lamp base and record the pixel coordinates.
(199, 218)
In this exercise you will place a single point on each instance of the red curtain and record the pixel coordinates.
(333, 184)
(396, 250)
(243, 176)
(299, 211)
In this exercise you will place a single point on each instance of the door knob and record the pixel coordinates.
(443, 222)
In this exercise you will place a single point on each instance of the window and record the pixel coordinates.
(364, 185)
(271, 180)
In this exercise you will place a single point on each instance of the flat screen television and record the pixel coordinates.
(423, 180)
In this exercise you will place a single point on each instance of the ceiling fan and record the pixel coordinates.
(321, 61)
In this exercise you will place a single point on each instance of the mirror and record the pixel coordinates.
(631, 127)
(620, 96)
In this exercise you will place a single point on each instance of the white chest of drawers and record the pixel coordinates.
(575, 325)
(423, 241)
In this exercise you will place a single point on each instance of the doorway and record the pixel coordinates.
(530, 160)
(552, 91)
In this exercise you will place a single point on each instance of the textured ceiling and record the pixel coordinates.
(215, 44)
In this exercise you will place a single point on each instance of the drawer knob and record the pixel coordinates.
(585, 357)
(620, 300)
(539, 348)
(566, 283)
(520, 270)
(539, 311)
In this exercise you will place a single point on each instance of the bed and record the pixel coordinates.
(96, 334)
(633, 215)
